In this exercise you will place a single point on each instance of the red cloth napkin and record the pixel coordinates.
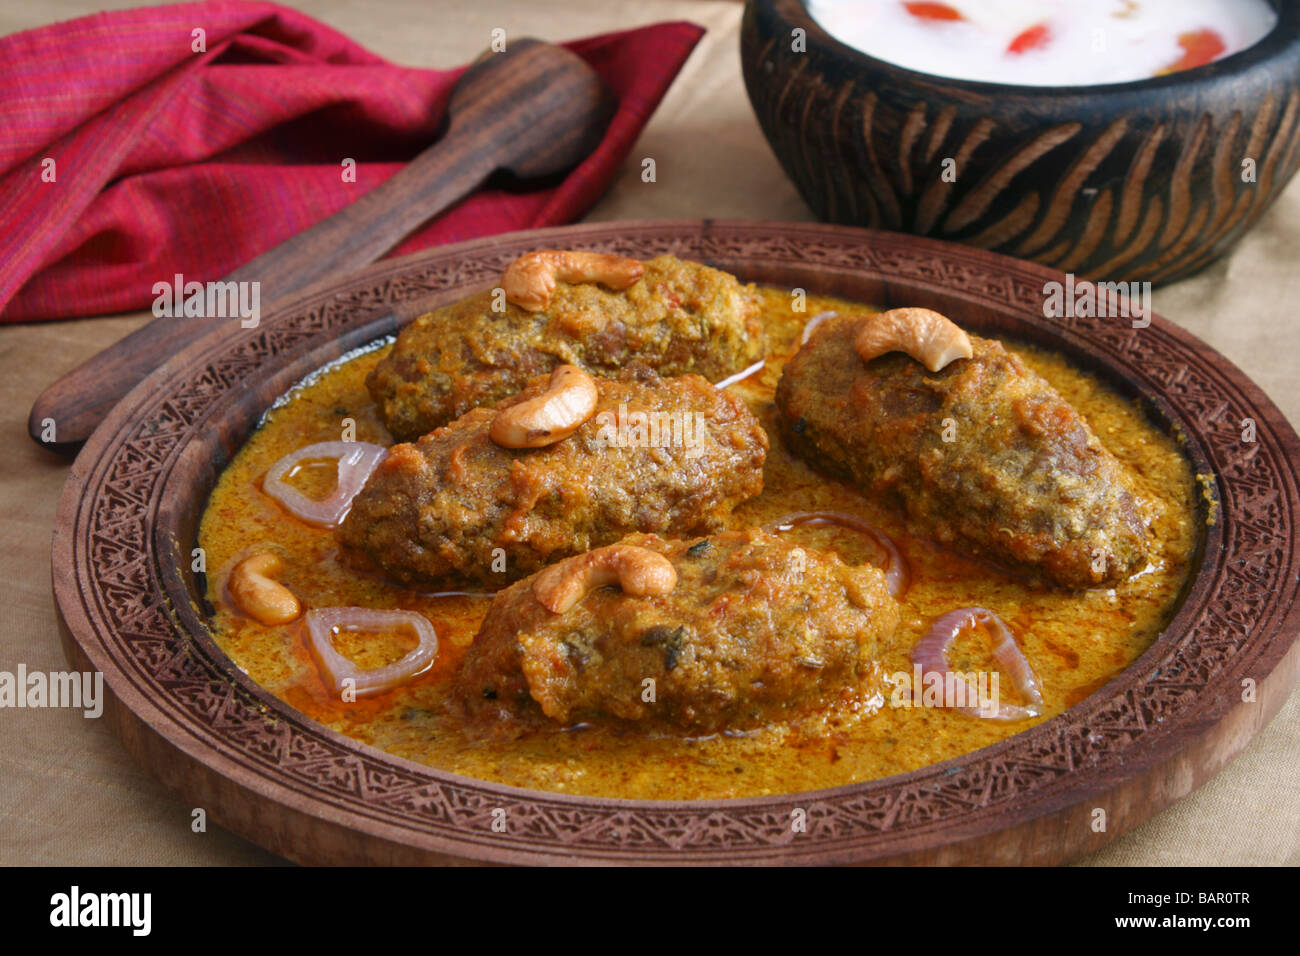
(169, 160)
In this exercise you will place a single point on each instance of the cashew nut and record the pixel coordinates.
(569, 400)
(638, 571)
(254, 590)
(930, 338)
(529, 280)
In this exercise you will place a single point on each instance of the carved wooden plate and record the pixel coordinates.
(127, 520)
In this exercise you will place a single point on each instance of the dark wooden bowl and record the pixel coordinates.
(1126, 182)
(131, 607)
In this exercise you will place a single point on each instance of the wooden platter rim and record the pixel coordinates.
(501, 248)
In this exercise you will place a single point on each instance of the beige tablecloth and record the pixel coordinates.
(69, 794)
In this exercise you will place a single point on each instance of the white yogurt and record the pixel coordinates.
(1046, 42)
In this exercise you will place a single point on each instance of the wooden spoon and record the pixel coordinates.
(533, 110)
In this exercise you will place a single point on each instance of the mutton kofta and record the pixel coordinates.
(599, 312)
(465, 503)
(726, 632)
(978, 451)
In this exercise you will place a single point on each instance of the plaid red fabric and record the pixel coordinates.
(126, 155)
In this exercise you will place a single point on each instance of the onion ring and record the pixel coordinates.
(741, 375)
(323, 623)
(356, 461)
(812, 324)
(897, 573)
(929, 655)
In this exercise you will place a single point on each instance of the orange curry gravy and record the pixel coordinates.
(1075, 642)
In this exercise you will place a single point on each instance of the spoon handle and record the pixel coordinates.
(65, 413)
(496, 117)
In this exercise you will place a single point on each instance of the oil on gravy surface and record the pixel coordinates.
(1075, 642)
